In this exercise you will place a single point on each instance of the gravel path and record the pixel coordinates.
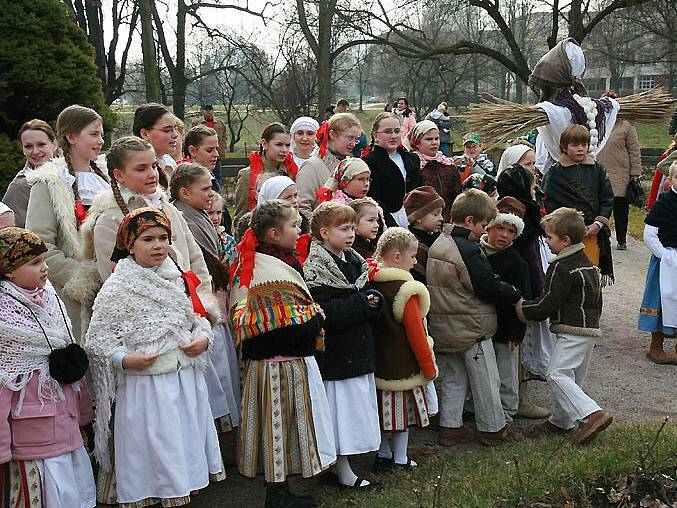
(620, 379)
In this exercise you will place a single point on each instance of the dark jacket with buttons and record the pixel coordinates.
(348, 344)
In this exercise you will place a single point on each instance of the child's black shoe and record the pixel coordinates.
(383, 465)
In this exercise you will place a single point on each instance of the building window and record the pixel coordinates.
(647, 82)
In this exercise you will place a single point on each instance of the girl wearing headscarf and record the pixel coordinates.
(303, 132)
(437, 170)
(146, 344)
(41, 406)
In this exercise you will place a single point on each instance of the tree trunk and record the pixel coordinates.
(179, 81)
(151, 70)
(323, 56)
(95, 32)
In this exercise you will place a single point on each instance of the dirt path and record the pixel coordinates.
(620, 379)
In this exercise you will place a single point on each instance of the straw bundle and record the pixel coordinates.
(498, 120)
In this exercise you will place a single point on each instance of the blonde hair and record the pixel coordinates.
(361, 205)
(117, 157)
(330, 214)
(269, 214)
(394, 239)
(379, 118)
(342, 121)
(185, 176)
(475, 203)
(565, 222)
(73, 120)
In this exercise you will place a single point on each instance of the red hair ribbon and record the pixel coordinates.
(192, 282)
(373, 267)
(291, 167)
(366, 151)
(244, 269)
(255, 170)
(322, 136)
(324, 194)
(80, 212)
(303, 246)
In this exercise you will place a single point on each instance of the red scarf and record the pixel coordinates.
(192, 281)
(322, 136)
(257, 168)
(656, 184)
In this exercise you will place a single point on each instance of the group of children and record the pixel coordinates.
(344, 346)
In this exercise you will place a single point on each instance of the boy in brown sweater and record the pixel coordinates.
(572, 300)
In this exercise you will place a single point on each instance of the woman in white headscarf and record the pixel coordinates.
(284, 188)
(303, 145)
(521, 154)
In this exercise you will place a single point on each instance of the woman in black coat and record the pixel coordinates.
(394, 170)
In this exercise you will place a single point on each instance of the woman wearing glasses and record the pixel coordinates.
(337, 138)
(157, 125)
(394, 170)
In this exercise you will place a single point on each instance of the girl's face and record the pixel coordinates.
(30, 275)
(431, 222)
(339, 238)
(285, 237)
(151, 248)
(199, 194)
(140, 173)
(358, 187)
(305, 140)
(528, 161)
(215, 211)
(37, 147)
(291, 196)
(163, 135)
(367, 225)
(87, 144)
(277, 148)
(430, 143)
(344, 142)
(207, 153)
(388, 134)
(401, 104)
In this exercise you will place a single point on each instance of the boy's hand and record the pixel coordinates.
(195, 347)
(373, 301)
(592, 229)
(138, 361)
(512, 344)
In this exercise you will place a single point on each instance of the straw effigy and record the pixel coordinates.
(498, 120)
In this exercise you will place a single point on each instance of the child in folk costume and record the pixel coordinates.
(286, 423)
(146, 342)
(337, 276)
(191, 190)
(42, 405)
(424, 212)
(405, 361)
(367, 226)
(227, 247)
(658, 313)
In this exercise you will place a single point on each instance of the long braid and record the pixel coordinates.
(97, 170)
(118, 197)
(69, 165)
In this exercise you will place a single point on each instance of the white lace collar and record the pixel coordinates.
(154, 199)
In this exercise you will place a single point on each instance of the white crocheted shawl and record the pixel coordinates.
(137, 309)
(24, 350)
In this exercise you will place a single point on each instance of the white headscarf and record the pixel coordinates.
(512, 155)
(303, 122)
(273, 187)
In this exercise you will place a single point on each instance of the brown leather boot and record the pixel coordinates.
(592, 425)
(506, 435)
(452, 436)
(528, 409)
(656, 353)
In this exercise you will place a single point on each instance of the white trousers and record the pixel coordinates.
(566, 374)
(507, 363)
(477, 366)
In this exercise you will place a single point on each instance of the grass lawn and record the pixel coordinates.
(635, 222)
(491, 478)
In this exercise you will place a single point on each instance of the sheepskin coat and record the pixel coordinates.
(51, 216)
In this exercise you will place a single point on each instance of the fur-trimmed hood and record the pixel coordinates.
(407, 290)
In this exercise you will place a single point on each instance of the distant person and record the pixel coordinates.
(209, 120)
(329, 112)
(406, 116)
(38, 143)
(342, 106)
(621, 157)
(440, 118)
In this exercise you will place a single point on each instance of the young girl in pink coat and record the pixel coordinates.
(41, 405)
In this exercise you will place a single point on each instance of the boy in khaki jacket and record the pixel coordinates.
(463, 293)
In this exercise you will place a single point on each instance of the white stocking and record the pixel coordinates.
(400, 442)
(346, 476)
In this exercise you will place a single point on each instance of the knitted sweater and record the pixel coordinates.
(572, 297)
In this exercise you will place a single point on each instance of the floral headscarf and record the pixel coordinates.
(133, 226)
(17, 247)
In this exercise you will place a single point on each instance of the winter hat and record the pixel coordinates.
(17, 247)
(473, 137)
(421, 201)
(511, 155)
(510, 211)
(419, 131)
(476, 181)
(303, 122)
(347, 169)
(273, 187)
(132, 227)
